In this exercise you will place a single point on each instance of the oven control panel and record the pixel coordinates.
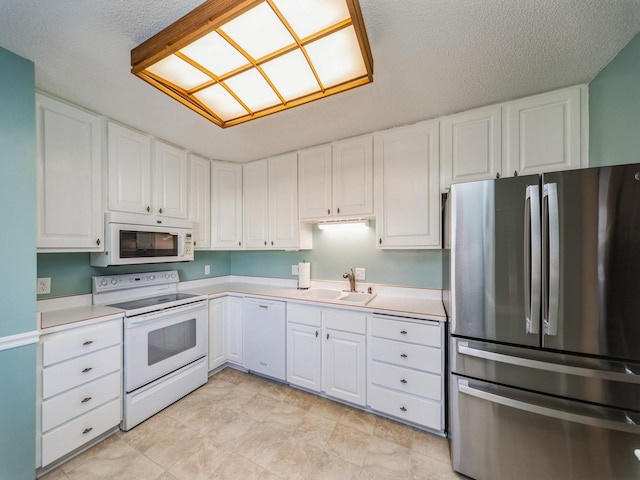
(118, 282)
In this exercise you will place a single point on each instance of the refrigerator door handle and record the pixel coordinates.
(627, 377)
(532, 259)
(463, 387)
(551, 258)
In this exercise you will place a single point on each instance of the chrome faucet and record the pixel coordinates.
(352, 280)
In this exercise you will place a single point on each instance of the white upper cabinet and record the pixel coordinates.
(255, 196)
(171, 181)
(226, 206)
(129, 170)
(337, 180)
(270, 194)
(471, 145)
(546, 132)
(69, 176)
(407, 194)
(139, 185)
(200, 200)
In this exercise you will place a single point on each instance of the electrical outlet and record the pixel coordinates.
(294, 269)
(44, 285)
(207, 269)
(359, 273)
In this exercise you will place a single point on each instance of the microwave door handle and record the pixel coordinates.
(552, 261)
(181, 240)
(532, 259)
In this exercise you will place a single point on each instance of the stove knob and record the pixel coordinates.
(114, 281)
(103, 282)
(152, 277)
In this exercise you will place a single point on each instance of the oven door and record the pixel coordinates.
(159, 343)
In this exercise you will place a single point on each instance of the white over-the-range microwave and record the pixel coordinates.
(132, 239)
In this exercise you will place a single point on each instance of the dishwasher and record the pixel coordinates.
(264, 334)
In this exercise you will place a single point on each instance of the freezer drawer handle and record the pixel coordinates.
(628, 377)
(463, 387)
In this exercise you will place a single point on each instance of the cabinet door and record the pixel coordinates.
(171, 180)
(255, 195)
(69, 178)
(217, 332)
(471, 145)
(407, 177)
(284, 222)
(353, 177)
(343, 366)
(304, 356)
(226, 205)
(200, 201)
(544, 133)
(129, 170)
(233, 325)
(315, 183)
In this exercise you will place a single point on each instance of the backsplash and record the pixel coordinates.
(333, 254)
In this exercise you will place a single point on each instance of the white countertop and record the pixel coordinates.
(68, 312)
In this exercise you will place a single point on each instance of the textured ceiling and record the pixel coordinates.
(431, 57)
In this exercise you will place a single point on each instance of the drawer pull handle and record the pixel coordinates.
(404, 409)
(88, 342)
(403, 381)
(404, 355)
(87, 370)
(403, 332)
(316, 333)
(87, 430)
(86, 399)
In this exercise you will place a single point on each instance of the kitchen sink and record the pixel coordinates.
(353, 298)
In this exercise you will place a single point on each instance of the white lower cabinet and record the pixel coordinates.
(233, 325)
(81, 387)
(217, 332)
(405, 369)
(304, 347)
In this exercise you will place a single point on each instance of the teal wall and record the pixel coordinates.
(614, 110)
(18, 272)
(332, 255)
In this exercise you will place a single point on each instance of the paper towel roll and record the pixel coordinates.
(304, 275)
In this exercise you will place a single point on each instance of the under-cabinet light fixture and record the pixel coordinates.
(355, 223)
(233, 61)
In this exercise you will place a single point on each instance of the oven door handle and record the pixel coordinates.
(132, 322)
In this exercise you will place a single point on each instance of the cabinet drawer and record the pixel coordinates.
(304, 315)
(80, 400)
(65, 345)
(345, 320)
(413, 409)
(406, 380)
(66, 438)
(70, 374)
(420, 333)
(409, 355)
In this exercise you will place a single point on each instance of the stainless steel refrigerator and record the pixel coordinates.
(545, 326)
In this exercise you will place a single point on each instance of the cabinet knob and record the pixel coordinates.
(338, 210)
(498, 175)
(515, 173)
(265, 242)
(98, 242)
(316, 333)
(404, 355)
(239, 244)
(87, 430)
(403, 408)
(148, 208)
(159, 210)
(379, 241)
(403, 381)
(86, 399)
(328, 211)
(194, 243)
(327, 336)
(87, 370)
(272, 243)
(403, 332)
(88, 342)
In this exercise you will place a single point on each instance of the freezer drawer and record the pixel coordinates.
(606, 382)
(506, 433)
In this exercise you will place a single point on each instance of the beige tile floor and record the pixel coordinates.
(241, 427)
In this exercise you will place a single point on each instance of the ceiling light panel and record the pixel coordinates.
(236, 60)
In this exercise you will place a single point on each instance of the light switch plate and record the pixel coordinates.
(359, 273)
(294, 269)
(207, 269)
